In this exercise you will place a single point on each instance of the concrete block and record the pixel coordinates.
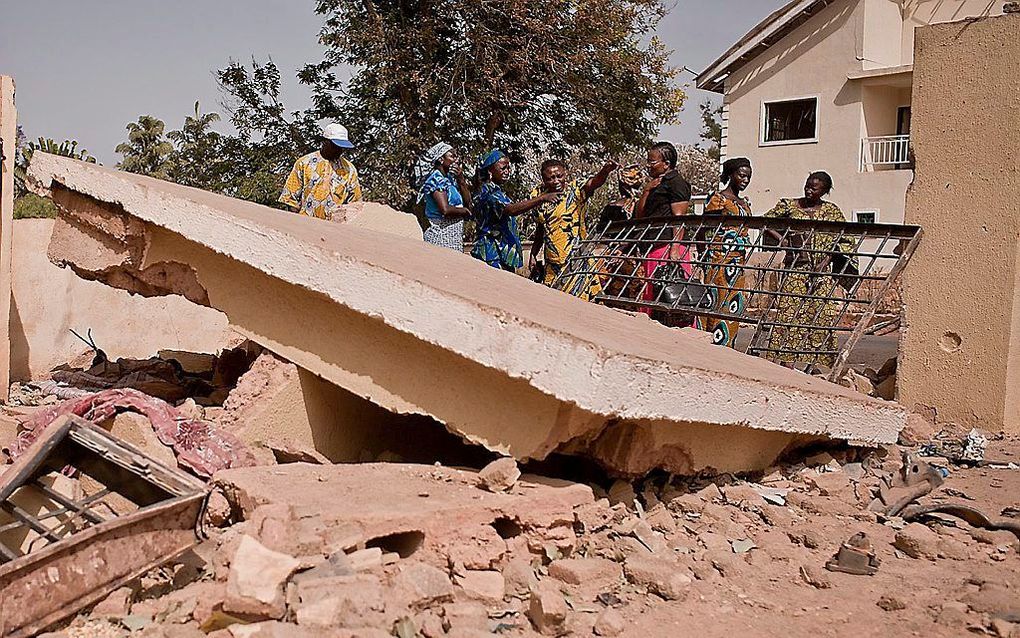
(522, 369)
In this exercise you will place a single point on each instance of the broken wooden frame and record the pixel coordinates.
(61, 553)
(801, 286)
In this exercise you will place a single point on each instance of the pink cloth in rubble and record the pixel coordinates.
(198, 445)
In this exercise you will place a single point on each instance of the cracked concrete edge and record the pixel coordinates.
(739, 389)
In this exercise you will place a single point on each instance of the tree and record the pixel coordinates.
(197, 159)
(147, 151)
(699, 168)
(711, 128)
(268, 138)
(560, 77)
(24, 150)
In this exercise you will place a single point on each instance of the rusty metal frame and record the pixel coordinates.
(619, 258)
(82, 563)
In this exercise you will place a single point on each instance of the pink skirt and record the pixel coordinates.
(659, 256)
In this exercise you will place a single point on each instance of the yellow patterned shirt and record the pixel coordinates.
(317, 187)
(564, 226)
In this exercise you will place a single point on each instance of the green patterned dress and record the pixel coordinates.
(795, 310)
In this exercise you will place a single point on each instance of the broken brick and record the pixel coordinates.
(499, 476)
(257, 576)
(657, 576)
(585, 571)
(547, 609)
(917, 541)
(482, 585)
(423, 585)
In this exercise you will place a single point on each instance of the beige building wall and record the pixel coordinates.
(815, 60)
(812, 61)
(882, 34)
(49, 302)
(918, 14)
(960, 356)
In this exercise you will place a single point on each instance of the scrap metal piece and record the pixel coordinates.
(915, 480)
(971, 515)
(855, 557)
(60, 552)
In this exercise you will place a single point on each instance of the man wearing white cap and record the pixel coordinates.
(323, 181)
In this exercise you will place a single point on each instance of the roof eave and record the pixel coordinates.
(773, 28)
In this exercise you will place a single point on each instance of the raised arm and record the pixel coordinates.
(639, 208)
(598, 180)
(462, 184)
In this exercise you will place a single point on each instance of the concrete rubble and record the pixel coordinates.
(635, 396)
(426, 550)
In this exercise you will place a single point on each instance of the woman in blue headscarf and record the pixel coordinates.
(499, 244)
(443, 188)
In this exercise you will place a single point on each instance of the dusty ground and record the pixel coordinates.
(565, 562)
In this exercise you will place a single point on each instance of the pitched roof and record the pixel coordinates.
(769, 31)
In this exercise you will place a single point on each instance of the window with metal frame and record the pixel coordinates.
(790, 121)
(866, 216)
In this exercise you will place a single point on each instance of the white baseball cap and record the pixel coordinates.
(337, 134)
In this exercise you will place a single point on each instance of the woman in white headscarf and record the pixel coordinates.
(445, 190)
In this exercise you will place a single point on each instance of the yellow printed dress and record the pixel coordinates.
(318, 187)
(792, 341)
(564, 226)
(725, 254)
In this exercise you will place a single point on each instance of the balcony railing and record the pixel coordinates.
(887, 150)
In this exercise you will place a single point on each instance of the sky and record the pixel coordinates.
(85, 68)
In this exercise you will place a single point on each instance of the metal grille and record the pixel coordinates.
(805, 290)
(113, 480)
(63, 548)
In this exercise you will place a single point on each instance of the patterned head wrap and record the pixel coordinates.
(494, 156)
(631, 180)
(426, 163)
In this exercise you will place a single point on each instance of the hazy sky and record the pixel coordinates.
(85, 68)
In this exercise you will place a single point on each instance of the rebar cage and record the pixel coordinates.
(805, 290)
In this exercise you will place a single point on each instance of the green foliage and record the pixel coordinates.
(67, 148)
(711, 128)
(147, 151)
(562, 77)
(197, 156)
(30, 206)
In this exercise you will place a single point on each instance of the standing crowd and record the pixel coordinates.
(323, 181)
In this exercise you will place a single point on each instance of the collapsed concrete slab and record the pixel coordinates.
(519, 368)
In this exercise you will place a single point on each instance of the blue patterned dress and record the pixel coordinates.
(499, 243)
(447, 232)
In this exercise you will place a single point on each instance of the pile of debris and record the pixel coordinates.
(419, 550)
(880, 383)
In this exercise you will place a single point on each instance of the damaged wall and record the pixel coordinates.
(50, 301)
(419, 330)
(960, 356)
